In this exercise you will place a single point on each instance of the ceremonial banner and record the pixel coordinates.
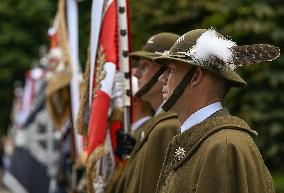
(34, 157)
(105, 69)
(72, 23)
(31, 85)
(101, 107)
(64, 80)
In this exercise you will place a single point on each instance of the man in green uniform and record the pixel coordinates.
(143, 168)
(142, 112)
(215, 152)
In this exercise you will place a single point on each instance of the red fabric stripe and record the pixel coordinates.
(108, 34)
(114, 127)
(98, 121)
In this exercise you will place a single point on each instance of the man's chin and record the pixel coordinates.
(140, 85)
(165, 96)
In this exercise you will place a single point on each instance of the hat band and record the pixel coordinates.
(179, 90)
(150, 83)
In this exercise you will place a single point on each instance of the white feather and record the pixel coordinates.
(209, 44)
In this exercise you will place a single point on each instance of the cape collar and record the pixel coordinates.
(200, 115)
(148, 127)
(185, 144)
(136, 125)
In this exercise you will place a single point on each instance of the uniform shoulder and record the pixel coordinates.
(166, 115)
(235, 139)
(168, 121)
(167, 126)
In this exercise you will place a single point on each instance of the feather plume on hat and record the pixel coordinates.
(214, 50)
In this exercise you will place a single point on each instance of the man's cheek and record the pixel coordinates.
(170, 85)
(170, 91)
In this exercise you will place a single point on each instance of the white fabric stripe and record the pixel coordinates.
(96, 19)
(123, 46)
(13, 184)
(108, 81)
(72, 20)
(124, 61)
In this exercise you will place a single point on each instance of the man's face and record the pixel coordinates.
(144, 72)
(172, 77)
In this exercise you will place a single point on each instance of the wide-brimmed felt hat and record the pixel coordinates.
(211, 50)
(154, 47)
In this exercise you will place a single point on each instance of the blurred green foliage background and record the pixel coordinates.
(24, 25)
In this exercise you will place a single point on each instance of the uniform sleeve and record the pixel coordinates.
(232, 164)
(158, 142)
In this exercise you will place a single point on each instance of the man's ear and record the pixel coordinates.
(197, 77)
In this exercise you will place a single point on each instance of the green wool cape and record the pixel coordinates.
(142, 170)
(217, 155)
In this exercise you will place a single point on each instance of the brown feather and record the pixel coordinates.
(255, 53)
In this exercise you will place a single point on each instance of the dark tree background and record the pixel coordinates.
(24, 25)
(23, 28)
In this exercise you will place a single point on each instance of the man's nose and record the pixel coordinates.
(163, 78)
(136, 72)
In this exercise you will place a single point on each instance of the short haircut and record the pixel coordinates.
(221, 86)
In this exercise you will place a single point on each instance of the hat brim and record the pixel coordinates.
(142, 54)
(231, 76)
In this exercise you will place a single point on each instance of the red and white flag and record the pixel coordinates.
(108, 70)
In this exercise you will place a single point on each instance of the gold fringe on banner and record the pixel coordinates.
(117, 115)
(82, 127)
(64, 41)
(58, 87)
(114, 178)
(58, 98)
(99, 152)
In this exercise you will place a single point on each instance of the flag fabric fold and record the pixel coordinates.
(101, 115)
(105, 69)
